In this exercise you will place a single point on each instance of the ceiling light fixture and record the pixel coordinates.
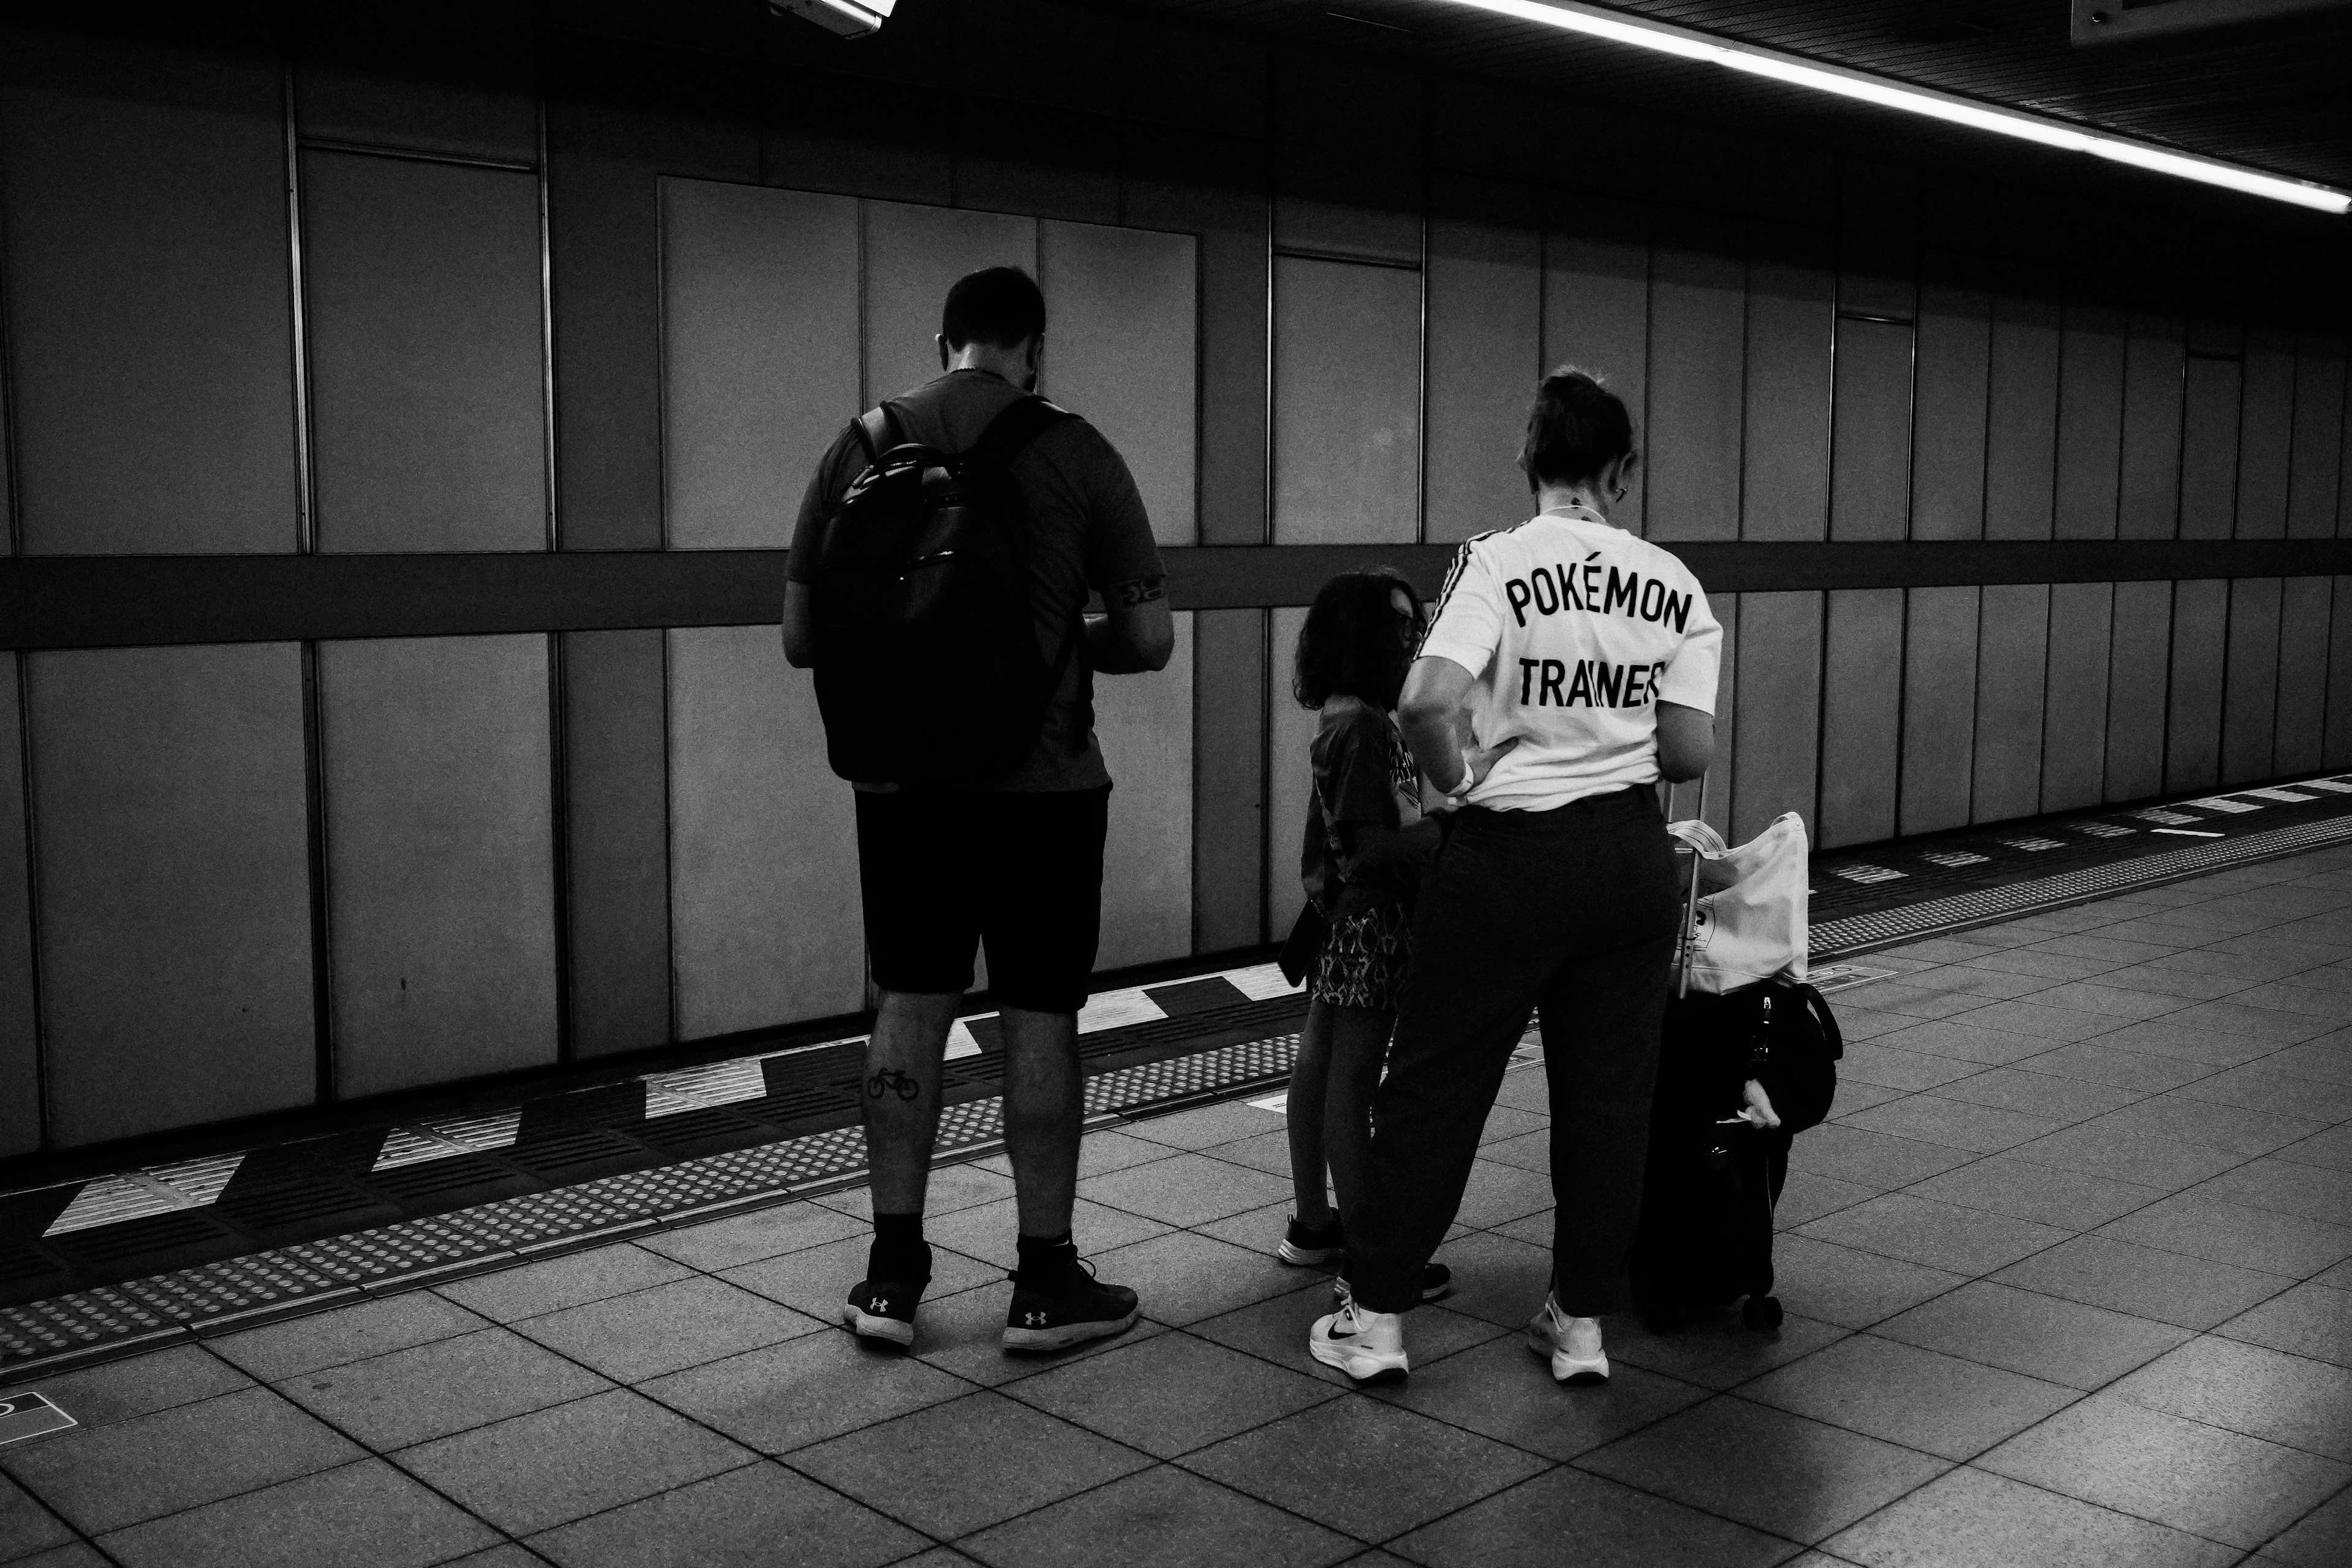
(843, 19)
(1953, 110)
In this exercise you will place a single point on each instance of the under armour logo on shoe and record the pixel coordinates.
(1037, 1320)
(881, 1304)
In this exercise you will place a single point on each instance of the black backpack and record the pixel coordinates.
(928, 668)
(1778, 1032)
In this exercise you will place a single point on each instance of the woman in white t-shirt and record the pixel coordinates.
(1592, 655)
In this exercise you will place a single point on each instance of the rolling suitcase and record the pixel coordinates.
(1712, 1176)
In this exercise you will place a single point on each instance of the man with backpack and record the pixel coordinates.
(937, 586)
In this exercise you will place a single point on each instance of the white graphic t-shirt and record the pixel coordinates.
(1576, 630)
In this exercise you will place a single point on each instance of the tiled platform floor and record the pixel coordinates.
(2067, 1282)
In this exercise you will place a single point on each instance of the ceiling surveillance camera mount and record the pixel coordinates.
(843, 18)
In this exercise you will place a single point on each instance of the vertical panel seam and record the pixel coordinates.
(1421, 443)
(314, 801)
(669, 842)
(558, 814)
(306, 480)
(1265, 779)
(546, 315)
(44, 1113)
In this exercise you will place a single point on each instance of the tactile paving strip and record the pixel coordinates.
(1908, 922)
(237, 1292)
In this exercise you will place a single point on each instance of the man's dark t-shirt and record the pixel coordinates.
(1087, 530)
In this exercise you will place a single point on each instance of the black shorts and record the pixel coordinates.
(943, 873)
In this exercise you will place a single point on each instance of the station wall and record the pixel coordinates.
(271, 296)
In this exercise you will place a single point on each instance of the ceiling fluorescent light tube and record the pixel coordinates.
(1951, 109)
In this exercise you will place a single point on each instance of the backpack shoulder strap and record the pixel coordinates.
(878, 431)
(1015, 427)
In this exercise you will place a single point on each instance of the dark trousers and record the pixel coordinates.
(1572, 912)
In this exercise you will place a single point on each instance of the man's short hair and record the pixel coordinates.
(997, 305)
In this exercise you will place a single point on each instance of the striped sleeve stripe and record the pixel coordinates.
(1453, 576)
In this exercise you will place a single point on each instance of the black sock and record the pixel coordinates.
(1045, 1260)
(899, 1254)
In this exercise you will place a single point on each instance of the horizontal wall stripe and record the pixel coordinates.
(145, 600)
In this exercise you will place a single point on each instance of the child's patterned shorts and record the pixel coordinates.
(1364, 958)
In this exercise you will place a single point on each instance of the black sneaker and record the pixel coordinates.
(883, 1310)
(1083, 1309)
(1437, 1283)
(1313, 1247)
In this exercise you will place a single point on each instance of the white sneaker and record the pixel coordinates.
(1368, 1346)
(1573, 1344)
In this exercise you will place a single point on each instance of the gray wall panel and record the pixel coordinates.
(1229, 699)
(2139, 659)
(2090, 422)
(2249, 701)
(1949, 422)
(2340, 681)
(2209, 450)
(2012, 646)
(1718, 789)
(20, 1077)
(1871, 480)
(427, 389)
(2265, 435)
(1144, 724)
(913, 255)
(2192, 735)
(1940, 709)
(1697, 332)
(604, 239)
(2303, 674)
(2315, 465)
(1786, 440)
(1347, 404)
(1348, 178)
(1785, 477)
(1878, 240)
(616, 811)
(149, 315)
(1777, 746)
(383, 77)
(1121, 311)
(760, 355)
(2021, 427)
(2074, 716)
(766, 922)
(168, 797)
(1596, 312)
(1862, 714)
(1288, 777)
(440, 869)
(1231, 226)
(2149, 507)
(1485, 352)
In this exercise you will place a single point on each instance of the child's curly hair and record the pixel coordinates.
(1352, 645)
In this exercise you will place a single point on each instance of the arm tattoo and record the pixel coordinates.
(1142, 591)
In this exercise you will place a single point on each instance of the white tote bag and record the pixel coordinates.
(1750, 920)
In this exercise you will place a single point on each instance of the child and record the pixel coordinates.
(1366, 842)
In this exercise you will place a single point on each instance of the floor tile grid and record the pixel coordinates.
(1211, 1150)
(2146, 928)
(2120, 917)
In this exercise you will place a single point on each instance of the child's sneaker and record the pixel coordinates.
(1368, 1346)
(1313, 1247)
(1572, 1343)
(1080, 1308)
(883, 1310)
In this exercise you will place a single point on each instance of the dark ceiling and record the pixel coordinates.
(2276, 95)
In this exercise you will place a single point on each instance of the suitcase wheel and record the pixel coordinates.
(1761, 1311)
